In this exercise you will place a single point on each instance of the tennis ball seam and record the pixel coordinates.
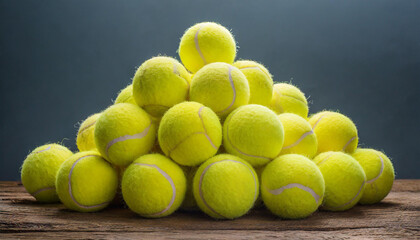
(280, 190)
(380, 172)
(187, 137)
(232, 84)
(202, 177)
(70, 188)
(290, 96)
(299, 140)
(42, 190)
(255, 67)
(175, 70)
(86, 127)
(171, 182)
(48, 148)
(197, 46)
(128, 137)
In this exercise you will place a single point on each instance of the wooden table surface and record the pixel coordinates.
(398, 216)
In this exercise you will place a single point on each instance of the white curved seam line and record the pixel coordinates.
(349, 202)
(319, 119)
(197, 46)
(295, 98)
(171, 182)
(204, 127)
(325, 159)
(234, 92)
(295, 185)
(42, 190)
(128, 137)
(182, 141)
(347, 144)
(299, 140)
(256, 67)
(279, 105)
(201, 181)
(86, 127)
(380, 172)
(70, 188)
(43, 150)
(175, 70)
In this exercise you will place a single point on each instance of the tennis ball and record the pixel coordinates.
(292, 186)
(86, 182)
(379, 174)
(289, 99)
(126, 95)
(206, 43)
(221, 87)
(124, 132)
(334, 132)
(189, 203)
(298, 136)
(39, 170)
(160, 83)
(190, 133)
(225, 187)
(253, 133)
(85, 139)
(259, 80)
(153, 186)
(344, 180)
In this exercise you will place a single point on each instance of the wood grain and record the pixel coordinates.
(398, 216)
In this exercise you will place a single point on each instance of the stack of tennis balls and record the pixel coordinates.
(214, 134)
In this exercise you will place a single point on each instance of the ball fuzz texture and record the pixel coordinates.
(124, 132)
(160, 83)
(86, 182)
(253, 133)
(344, 180)
(379, 174)
(259, 80)
(289, 99)
(292, 186)
(85, 139)
(298, 136)
(153, 186)
(225, 187)
(190, 133)
(206, 43)
(334, 132)
(221, 87)
(126, 95)
(39, 170)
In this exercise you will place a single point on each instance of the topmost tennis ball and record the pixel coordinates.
(289, 99)
(160, 83)
(205, 43)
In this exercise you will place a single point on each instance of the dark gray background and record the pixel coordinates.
(61, 61)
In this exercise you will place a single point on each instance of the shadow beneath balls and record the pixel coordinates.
(32, 202)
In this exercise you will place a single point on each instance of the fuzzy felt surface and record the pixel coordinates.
(190, 133)
(205, 43)
(160, 83)
(126, 95)
(289, 99)
(153, 186)
(124, 132)
(39, 170)
(225, 187)
(259, 80)
(86, 182)
(85, 139)
(379, 174)
(221, 87)
(254, 133)
(344, 180)
(292, 186)
(334, 131)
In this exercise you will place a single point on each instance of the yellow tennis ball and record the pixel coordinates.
(153, 186)
(292, 186)
(344, 180)
(298, 136)
(334, 132)
(190, 133)
(289, 99)
(259, 80)
(124, 132)
(225, 187)
(221, 87)
(86, 182)
(253, 133)
(206, 43)
(189, 203)
(379, 174)
(39, 170)
(160, 83)
(126, 95)
(85, 139)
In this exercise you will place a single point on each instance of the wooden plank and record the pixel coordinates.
(398, 216)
